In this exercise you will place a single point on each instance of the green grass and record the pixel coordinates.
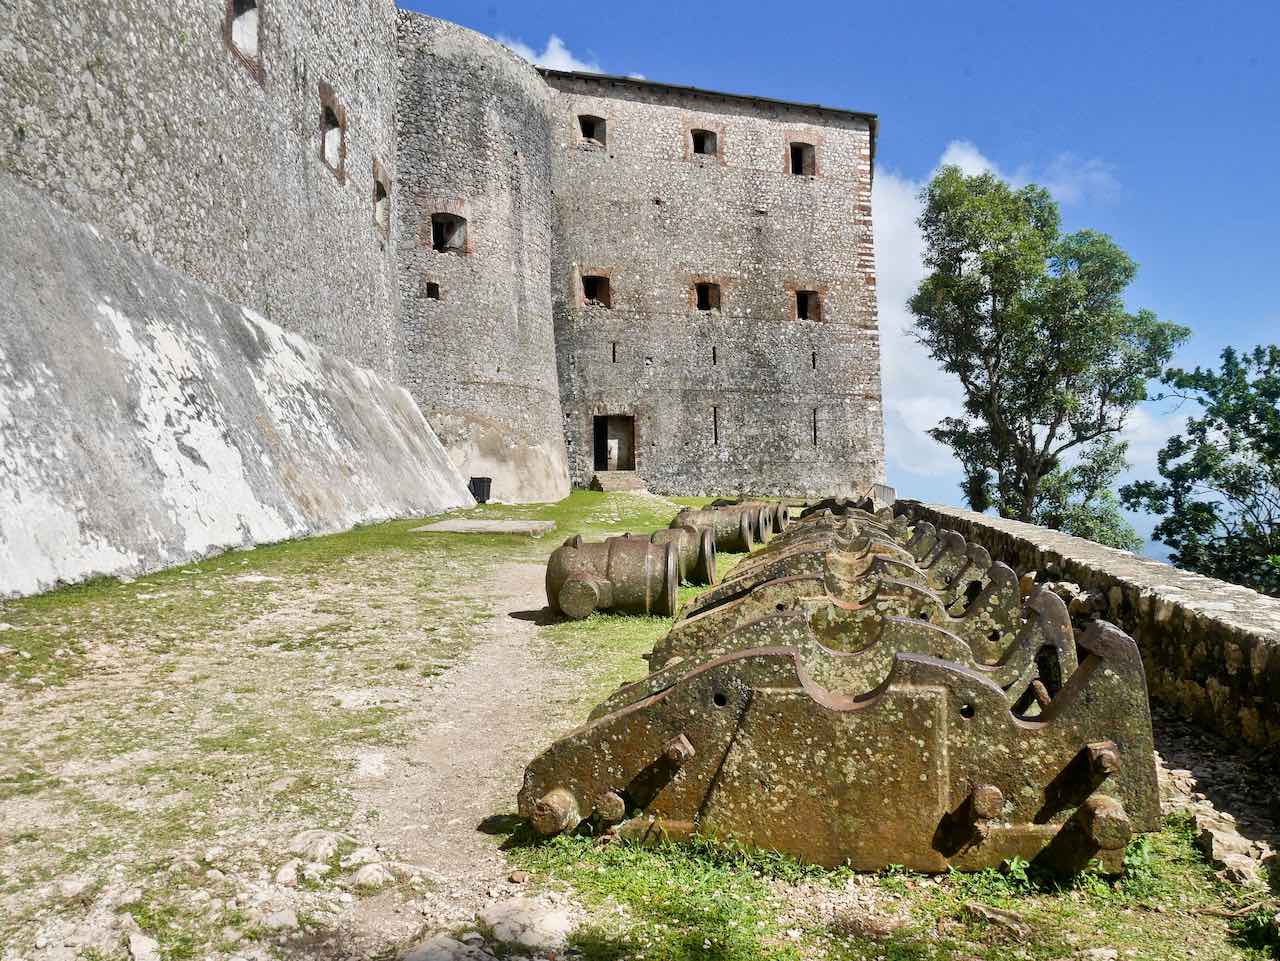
(616, 643)
(709, 899)
(242, 665)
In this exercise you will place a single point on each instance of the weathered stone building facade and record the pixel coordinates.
(738, 344)
(412, 196)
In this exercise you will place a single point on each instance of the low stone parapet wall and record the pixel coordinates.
(1211, 649)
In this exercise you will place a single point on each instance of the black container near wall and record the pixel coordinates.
(479, 487)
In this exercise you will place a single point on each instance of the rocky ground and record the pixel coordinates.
(312, 750)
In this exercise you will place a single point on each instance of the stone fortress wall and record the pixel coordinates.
(299, 159)
(150, 122)
(746, 395)
(1210, 649)
(477, 342)
(146, 421)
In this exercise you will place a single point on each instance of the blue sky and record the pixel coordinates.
(1158, 123)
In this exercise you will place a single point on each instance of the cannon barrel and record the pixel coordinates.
(628, 574)
(696, 547)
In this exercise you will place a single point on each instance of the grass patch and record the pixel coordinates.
(698, 900)
(710, 899)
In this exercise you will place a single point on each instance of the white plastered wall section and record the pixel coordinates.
(145, 421)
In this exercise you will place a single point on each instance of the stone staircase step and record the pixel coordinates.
(618, 480)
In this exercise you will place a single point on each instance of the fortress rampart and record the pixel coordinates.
(477, 345)
(411, 197)
(148, 121)
(1211, 649)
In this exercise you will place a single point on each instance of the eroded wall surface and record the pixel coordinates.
(146, 421)
(747, 397)
(142, 118)
(1210, 648)
(478, 348)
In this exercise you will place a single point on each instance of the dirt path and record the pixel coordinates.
(486, 718)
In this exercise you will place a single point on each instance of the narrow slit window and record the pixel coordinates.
(705, 143)
(381, 201)
(714, 357)
(808, 305)
(707, 296)
(433, 290)
(244, 28)
(813, 359)
(594, 130)
(715, 425)
(595, 291)
(333, 132)
(803, 159)
(448, 234)
(815, 427)
(614, 349)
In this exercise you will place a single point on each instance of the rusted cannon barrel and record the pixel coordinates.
(697, 551)
(628, 574)
(764, 516)
(732, 529)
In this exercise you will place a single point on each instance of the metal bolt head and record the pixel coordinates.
(555, 811)
(987, 802)
(610, 807)
(678, 750)
(1104, 758)
(1105, 822)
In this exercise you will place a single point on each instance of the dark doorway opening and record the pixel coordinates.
(614, 442)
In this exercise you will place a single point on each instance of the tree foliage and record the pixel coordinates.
(1220, 494)
(1033, 324)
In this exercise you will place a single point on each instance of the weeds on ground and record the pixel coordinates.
(713, 899)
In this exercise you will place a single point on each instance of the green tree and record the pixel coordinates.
(1032, 323)
(1220, 494)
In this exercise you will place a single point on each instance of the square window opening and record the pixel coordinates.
(705, 143)
(707, 296)
(808, 305)
(803, 159)
(595, 291)
(594, 130)
(448, 234)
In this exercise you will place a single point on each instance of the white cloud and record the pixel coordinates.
(1073, 179)
(965, 155)
(555, 55)
(917, 395)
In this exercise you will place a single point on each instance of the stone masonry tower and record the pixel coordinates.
(713, 282)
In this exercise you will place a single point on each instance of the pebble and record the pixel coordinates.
(287, 876)
(72, 889)
(526, 923)
(283, 920)
(143, 948)
(441, 947)
(372, 877)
